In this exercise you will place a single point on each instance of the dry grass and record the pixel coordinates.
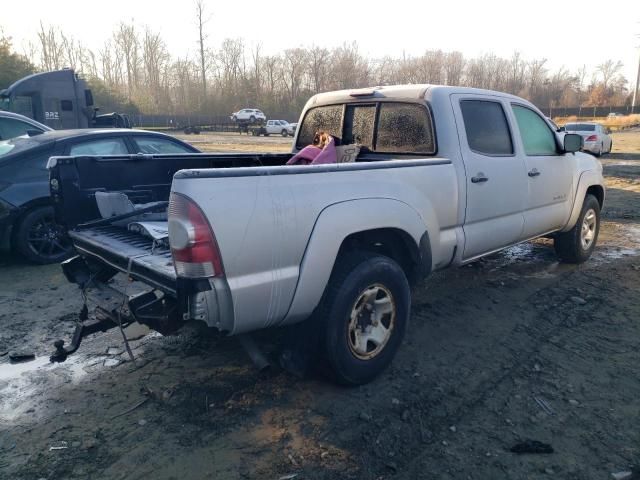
(614, 123)
(215, 142)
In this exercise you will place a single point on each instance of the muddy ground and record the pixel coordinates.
(513, 347)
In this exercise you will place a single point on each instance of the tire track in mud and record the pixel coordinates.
(557, 318)
(548, 313)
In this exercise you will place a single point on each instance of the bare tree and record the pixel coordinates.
(154, 59)
(126, 40)
(318, 59)
(609, 70)
(453, 68)
(51, 48)
(257, 61)
(202, 20)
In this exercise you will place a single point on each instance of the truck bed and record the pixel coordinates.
(144, 178)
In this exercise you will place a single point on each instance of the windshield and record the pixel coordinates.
(579, 127)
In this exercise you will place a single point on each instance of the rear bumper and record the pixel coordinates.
(208, 300)
(593, 147)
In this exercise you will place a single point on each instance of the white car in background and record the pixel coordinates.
(251, 115)
(282, 127)
(596, 137)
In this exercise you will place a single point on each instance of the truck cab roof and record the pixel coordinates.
(398, 92)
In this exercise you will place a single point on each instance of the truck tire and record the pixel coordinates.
(577, 245)
(363, 316)
(40, 239)
(284, 133)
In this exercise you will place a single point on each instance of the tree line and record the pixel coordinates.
(134, 72)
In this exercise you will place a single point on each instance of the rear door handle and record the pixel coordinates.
(533, 173)
(479, 179)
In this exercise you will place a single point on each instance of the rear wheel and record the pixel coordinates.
(364, 315)
(577, 245)
(40, 239)
(600, 151)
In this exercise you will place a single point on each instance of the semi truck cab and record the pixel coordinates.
(60, 99)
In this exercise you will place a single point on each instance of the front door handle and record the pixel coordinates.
(533, 173)
(479, 179)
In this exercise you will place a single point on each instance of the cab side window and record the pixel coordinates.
(152, 145)
(537, 137)
(11, 128)
(486, 126)
(107, 146)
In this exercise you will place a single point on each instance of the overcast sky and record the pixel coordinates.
(582, 32)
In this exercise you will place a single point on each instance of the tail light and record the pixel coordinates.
(592, 138)
(193, 245)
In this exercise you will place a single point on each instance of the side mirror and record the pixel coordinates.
(572, 142)
(561, 129)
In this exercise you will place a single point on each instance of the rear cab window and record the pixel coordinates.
(378, 127)
(579, 127)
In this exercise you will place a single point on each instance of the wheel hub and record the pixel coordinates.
(588, 229)
(372, 322)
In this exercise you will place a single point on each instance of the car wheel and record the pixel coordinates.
(284, 133)
(599, 154)
(577, 245)
(40, 239)
(252, 119)
(364, 315)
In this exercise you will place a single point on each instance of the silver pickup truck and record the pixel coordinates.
(445, 175)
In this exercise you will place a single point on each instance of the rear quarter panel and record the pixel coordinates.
(263, 224)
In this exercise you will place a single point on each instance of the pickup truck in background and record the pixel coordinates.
(273, 127)
(445, 175)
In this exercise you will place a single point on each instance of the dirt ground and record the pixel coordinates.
(513, 347)
(235, 142)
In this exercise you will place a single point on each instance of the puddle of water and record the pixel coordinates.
(12, 371)
(614, 254)
(21, 388)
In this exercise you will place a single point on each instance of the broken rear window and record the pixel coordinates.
(384, 127)
(327, 118)
(404, 128)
